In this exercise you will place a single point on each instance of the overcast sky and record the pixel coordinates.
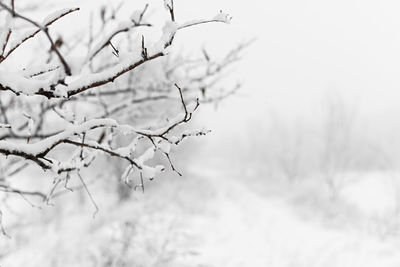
(304, 48)
(306, 51)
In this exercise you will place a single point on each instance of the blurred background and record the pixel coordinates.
(301, 166)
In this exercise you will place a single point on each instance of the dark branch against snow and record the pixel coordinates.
(85, 108)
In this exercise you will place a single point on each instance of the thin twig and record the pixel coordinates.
(89, 194)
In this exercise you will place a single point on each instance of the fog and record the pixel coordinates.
(307, 52)
(300, 167)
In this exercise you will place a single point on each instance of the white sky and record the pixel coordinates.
(306, 50)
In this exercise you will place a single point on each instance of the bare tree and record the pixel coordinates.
(336, 156)
(60, 114)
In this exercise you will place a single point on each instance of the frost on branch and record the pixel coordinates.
(223, 17)
(220, 17)
(125, 98)
(168, 4)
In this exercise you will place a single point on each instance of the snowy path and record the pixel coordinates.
(201, 221)
(247, 229)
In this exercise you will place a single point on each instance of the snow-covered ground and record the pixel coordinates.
(210, 219)
(251, 229)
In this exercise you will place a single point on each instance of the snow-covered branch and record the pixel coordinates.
(81, 105)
